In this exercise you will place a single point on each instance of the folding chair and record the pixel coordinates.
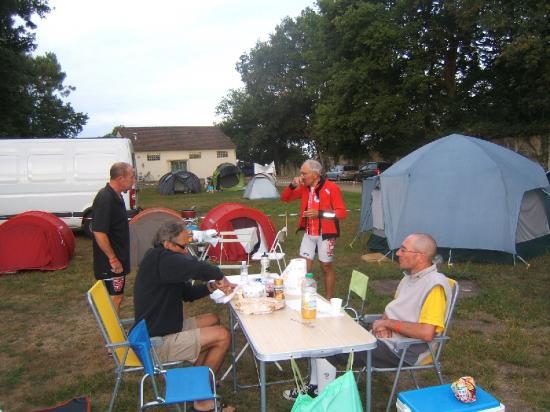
(182, 385)
(358, 285)
(246, 238)
(276, 250)
(114, 335)
(432, 361)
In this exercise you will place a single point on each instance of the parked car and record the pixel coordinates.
(371, 169)
(342, 172)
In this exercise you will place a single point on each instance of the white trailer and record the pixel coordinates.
(60, 176)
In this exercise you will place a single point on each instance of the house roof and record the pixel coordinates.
(165, 138)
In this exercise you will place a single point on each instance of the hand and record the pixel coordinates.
(311, 213)
(297, 181)
(380, 330)
(225, 285)
(116, 266)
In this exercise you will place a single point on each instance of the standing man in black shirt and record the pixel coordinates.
(164, 280)
(111, 241)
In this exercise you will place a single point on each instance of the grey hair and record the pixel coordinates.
(119, 169)
(168, 231)
(314, 166)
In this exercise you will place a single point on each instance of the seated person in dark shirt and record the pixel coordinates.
(164, 280)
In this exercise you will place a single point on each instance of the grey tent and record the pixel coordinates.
(179, 182)
(261, 186)
(466, 192)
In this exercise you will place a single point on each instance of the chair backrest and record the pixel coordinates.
(455, 289)
(141, 344)
(280, 237)
(109, 324)
(358, 285)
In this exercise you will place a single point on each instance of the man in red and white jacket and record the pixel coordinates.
(321, 209)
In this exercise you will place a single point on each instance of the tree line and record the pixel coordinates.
(32, 89)
(352, 76)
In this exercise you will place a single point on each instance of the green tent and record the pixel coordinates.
(228, 177)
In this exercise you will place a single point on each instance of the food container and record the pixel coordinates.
(188, 213)
(253, 290)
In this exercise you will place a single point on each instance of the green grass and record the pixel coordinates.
(51, 348)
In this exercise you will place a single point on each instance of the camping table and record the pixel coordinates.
(295, 339)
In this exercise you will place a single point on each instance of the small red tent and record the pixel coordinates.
(231, 216)
(35, 240)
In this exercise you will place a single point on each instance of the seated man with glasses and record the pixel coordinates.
(167, 276)
(418, 309)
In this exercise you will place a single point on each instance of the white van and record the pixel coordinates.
(60, 176)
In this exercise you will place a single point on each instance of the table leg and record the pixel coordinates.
(368, 381)
(263, 394)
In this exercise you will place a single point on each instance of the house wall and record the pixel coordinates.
(153, 170)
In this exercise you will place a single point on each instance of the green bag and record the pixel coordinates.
(341, 395)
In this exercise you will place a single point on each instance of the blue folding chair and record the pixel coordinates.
(181, 384)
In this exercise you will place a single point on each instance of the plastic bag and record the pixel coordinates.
(293, 276)
(338, 396)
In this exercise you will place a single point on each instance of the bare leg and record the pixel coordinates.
(309, 265)
(329, 279)
(117, 300)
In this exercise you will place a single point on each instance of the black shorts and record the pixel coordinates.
(115, 285)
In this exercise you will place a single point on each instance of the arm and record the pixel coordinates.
(104, 244)
(193, 292)
(178, 268)
(431, 318)
(383, 327)
(293, 191)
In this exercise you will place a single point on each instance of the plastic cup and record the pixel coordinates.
(336, 304)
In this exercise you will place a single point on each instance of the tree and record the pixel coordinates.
(31, 88)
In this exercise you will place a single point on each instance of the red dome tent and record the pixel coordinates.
(35, 240)
(230, 216)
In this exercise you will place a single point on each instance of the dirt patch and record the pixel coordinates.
(468, 288)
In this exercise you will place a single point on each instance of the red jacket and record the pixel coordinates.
(330, 199)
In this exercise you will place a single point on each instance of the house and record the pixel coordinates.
(197, 149)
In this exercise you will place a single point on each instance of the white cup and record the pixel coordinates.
(336, 304)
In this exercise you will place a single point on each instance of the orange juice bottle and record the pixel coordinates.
(309, 297)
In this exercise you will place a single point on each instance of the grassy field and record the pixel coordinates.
(51, 348)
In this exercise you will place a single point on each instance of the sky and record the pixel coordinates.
(162, 63)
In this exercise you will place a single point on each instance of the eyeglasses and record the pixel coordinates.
(403, 249)
(184, 247)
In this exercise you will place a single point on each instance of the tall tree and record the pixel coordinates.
(31, 88)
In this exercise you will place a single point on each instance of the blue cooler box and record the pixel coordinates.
(442, 399)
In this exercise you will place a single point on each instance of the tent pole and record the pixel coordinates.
(449, 263)
(520, 258)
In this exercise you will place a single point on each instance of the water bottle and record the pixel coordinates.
(244, 273)
(309, 297)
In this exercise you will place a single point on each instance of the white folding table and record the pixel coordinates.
(283, 335)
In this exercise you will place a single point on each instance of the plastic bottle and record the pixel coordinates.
(244, 273)
(309, 297)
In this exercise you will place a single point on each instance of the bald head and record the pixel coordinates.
(425, 244)
(416, 252)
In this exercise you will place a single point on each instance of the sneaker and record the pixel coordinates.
(292, 394)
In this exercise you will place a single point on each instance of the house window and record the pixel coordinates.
(195, 155)
(178, 165)
(221, 153)
(153, 156)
